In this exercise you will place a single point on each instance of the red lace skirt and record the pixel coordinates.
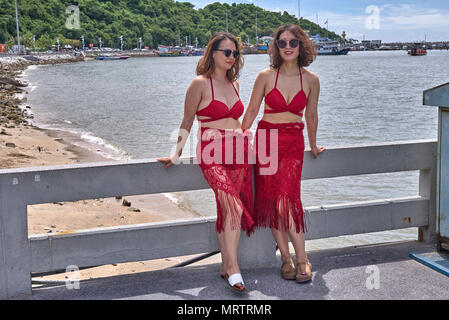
(278, 170)
(223, 157)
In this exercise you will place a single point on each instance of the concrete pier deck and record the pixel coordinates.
(379, 272)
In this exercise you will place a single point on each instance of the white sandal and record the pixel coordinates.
(233, 281)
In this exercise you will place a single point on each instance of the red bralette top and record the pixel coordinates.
(217, 110)
(276, 101)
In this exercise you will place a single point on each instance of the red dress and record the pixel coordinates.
(223, 156)
(280, 155)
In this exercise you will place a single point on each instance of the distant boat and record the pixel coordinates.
(113, 57)
(171, 51)
(262, 49)
(332, 50)
(417, 52)
(197, 52)
(328, 47)
(249, 49)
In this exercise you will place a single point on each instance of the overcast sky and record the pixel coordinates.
(389, 21)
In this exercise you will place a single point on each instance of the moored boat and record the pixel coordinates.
(170, 51)
(332, 50)
(197, 52)
(262, 49)
(417, 52)
(113, 57)
(328, 47)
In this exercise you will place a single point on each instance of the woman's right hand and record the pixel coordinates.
(167, 161)
(192, 101)
(316, 150)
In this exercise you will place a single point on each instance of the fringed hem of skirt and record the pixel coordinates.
(233, 207)
(279, 213)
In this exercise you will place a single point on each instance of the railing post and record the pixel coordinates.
(258, 250)
(427, 189)
(15, 252)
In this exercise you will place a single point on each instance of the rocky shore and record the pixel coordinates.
(11, 112)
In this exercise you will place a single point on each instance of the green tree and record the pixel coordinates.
(45, 42)
(148, 40)
(167, 21)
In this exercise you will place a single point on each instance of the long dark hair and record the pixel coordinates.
(206, 64)
(307, 51)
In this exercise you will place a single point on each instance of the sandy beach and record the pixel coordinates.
(34, 147)
(25, 145)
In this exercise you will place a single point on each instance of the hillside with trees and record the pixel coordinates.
(155, 21)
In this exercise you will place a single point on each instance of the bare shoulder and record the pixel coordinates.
(197, 86)
(198, 82)
(236, 85)
(310, 77)
(267, 72)
(265, 75)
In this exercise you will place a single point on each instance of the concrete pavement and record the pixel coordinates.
(381, 271)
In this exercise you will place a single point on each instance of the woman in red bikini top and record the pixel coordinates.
(217, 110)
(213, 97)
(290, 91)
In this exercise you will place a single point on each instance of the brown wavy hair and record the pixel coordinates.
(307, 51)
(206, 64)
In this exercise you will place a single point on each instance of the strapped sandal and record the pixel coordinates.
(288, 270)
(304, 276)
(235, 281)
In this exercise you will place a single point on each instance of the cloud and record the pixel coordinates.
(396, 22)
(410, 17)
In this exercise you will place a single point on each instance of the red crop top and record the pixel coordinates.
(276, 101)
(217, 110)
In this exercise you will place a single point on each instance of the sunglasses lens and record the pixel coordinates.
(227, 53)
(281, 44)
(236, 54)
(294, 43)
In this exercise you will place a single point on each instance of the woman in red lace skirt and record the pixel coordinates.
(290, 91)
(223, 147)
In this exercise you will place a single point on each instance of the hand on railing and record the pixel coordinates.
(317, 150)
(167, 161)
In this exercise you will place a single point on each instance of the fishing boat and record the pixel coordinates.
(112, 57)
(417, 52)
(262, 49)
(197, 52)
(328, 47)
(249, 49)
(171, 51)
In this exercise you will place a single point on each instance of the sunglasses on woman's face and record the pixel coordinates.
(228, 52)
(282, 44)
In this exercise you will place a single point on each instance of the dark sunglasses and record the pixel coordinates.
(283, 44)
(228, 52)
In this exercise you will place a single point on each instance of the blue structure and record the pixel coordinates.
(439, 96)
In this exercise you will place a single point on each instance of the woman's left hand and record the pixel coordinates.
(167, 161)
(317, 150)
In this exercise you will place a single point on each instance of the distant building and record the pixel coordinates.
(366, 43)
(376, 43)
(372, 44)
(15, 49)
